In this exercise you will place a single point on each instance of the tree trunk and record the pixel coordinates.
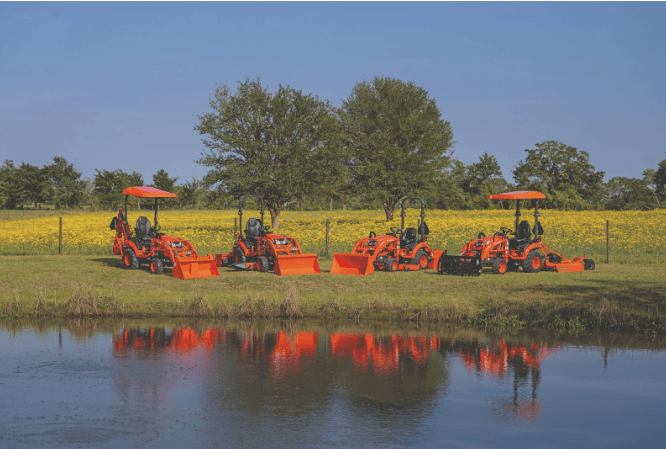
(389, 206)
(275, 217)
(330, 208)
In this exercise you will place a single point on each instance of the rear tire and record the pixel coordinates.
(391, 264)
(129, 259)
(262, 264)
(589, 264)
(421, 259)
(499, 266)
(157, 266)
(533, 262)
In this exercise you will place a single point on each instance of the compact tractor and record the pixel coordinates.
(503, 253)
(263, 251)
(399, 250)
(147, 245)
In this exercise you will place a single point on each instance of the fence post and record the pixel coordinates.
(607, 240)
(328, 223)
(60, 237)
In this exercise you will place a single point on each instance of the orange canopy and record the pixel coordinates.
(148, 192)
(518, 195)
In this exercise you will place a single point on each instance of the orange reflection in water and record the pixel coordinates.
(494, 361)
(525, 361)
(179, 341)
(285, 352)
(382, 355)
(289, 351)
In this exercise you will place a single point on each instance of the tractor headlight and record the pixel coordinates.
(281, 242)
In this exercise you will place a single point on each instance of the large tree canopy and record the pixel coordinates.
(398, 143)
(276, 145)
(562, 173)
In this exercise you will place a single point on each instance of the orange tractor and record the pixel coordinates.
(147, 245)
(399, 250)
(262, 250)
(503, 253)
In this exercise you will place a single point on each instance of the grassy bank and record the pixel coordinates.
(619, 297)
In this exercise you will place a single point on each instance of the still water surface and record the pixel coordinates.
(119, 384)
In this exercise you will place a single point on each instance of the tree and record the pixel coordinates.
(266, 144)
(66, 189)
(189, 193)
(649, 180)
(660, 181)
(482, 179)
(9, 190)
(398, 143)
(33, 185)
(450, 193)
(622, 193)
(109, 186)
(562, 173)
(162, 181)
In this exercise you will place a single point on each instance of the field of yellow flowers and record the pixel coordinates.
(635, 237)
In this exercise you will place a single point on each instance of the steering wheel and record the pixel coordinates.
(156, 229)
(505, 231)
(372, 235)
(394, 231)
(481, 236)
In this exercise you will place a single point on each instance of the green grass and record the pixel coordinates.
(627, 297)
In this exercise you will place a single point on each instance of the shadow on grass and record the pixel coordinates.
(631, 294)
(114, 262)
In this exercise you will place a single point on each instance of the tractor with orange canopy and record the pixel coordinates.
(262, 250)
(147, 245)
(399, 250)
(503, 253)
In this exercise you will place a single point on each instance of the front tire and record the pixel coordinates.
(129, 259)
(157, 266)
(391, 264)
(499, 266)
(262, 264)
(533, 262)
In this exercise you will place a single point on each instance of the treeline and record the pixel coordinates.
(386, 141)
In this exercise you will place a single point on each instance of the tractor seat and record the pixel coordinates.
(523, 236)
(253, 229)
(142, 232)
(409, 239)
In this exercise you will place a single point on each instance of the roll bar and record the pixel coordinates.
(240, 209)
(403, 214)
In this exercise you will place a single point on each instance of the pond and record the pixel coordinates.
(269, 384)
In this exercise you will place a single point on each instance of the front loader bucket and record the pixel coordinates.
(464, 265)
(358, 264)
(296, 264)
(195, 267)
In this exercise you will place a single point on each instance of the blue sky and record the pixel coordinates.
(120, 85)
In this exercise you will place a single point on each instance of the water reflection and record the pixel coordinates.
(523, 361)
(277, 385)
